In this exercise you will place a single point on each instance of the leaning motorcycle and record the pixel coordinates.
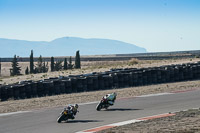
(64, 116)
(103, 104)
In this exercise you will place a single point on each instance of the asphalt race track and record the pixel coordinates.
(44, 120)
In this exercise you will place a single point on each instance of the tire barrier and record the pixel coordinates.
(115, 78)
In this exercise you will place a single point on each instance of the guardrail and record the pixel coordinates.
(115, 78)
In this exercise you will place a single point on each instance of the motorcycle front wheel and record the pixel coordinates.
(61, 118)
(99, 107)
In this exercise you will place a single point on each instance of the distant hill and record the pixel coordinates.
(66, 46)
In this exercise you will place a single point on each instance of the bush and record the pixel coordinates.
(133, 61)
(197, 56)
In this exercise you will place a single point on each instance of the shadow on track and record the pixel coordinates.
(83, 121)
(121, 109)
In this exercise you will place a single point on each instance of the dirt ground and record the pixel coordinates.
(183, 122)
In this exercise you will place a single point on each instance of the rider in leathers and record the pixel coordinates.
(73, 109)
(111, 98)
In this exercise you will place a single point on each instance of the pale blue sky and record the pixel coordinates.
(157, 25)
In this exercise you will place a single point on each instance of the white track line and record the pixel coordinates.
(125, 122)
(158, 94)
(12, 113)
(88, 103)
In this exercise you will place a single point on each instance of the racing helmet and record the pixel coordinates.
(76, 106)
(114, 93)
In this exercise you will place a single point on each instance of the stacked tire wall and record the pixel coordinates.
(115, 78)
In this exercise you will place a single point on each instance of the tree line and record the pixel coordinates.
(43, 67)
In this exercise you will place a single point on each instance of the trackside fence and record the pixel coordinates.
(115, 78)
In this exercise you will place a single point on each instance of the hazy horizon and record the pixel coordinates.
(66, 46)
(157, 25)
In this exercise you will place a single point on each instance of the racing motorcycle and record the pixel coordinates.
(103, 104)
(64, 115)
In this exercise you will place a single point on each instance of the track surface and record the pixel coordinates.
(44, 120)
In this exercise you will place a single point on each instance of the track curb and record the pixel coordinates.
(94, 130)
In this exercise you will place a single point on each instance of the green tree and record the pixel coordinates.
(31, 62)
(58, 65)
(15, 70)
(27, 71)
(39, 68)
(52, 64)
(70, 65)
(45, 67)
(77, 60)
(65, 64)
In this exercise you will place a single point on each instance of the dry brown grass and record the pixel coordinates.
(133, 61)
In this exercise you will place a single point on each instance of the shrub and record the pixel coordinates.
(133, 61)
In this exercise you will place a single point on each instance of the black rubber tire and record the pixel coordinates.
(60, 118)
(99, 107)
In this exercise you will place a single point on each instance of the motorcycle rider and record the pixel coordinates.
(111, 98)
(73, 109)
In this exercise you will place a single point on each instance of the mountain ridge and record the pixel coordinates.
(66, 46)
